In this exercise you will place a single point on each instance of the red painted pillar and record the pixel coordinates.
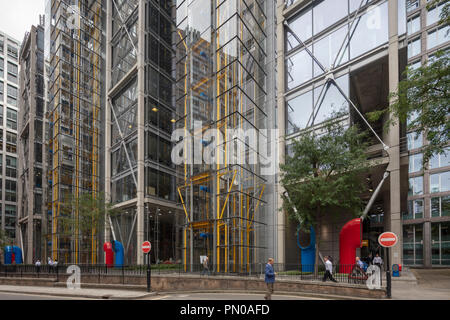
(350, 239)
(109, 254)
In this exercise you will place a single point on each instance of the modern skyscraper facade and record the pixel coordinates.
(32, 191)
(170, 108)
(76, 45)
(9, 96)
(140, 177)
(426, 221)
(225, 97)
(362, 48)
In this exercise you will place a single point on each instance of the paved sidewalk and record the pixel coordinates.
(78, 293)
(431, 284)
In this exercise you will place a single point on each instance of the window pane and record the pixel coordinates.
(326, 50)
(299, 109)
(445, 181)
(414, 25)
(418, 209)
(328, 12)
(333, 100)
(370, 32)
(299, 69)
(445, 206)
(414, 48)
(445, 231)
(415, 162)
(437, 37)
(435, 204)
(302, 26)
(434, 183)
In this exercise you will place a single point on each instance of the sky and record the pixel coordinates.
(17, 16)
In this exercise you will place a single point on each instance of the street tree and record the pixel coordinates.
(87, 214)
(324, 177)
(422, 99)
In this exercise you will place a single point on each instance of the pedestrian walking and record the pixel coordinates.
(206, 266)
(328, 270)
(269, 279)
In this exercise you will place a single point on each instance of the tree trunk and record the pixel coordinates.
(318, 233)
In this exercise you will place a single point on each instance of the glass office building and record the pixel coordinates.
(365, 47)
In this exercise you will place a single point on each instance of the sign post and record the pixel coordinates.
(388, 240)
(146, 247)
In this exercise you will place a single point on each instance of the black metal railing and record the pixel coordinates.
(341, 273)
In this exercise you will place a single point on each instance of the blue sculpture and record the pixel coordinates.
(118, 253)
(308, 253)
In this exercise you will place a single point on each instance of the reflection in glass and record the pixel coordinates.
(299, 69)
(369, 31)
(333, 101)
(302, 26)
(327, 13)
(299, 110)
(326, 50)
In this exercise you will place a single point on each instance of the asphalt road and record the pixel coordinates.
(21, 296)
(225, 296)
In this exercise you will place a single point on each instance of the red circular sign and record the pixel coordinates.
(387, 239)
(146, 246)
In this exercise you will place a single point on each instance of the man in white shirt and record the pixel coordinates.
(328, 270)
(378, 261)
(38, 265)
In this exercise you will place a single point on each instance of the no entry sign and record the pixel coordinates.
(387, 239)
(146, 246)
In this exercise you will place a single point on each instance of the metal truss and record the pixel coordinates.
(329, 80)
(123, 142)
(329, 76)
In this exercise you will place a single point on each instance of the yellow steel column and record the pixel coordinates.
(218, 113)
(77, 132)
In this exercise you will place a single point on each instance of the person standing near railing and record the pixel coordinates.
(328, 270)
(378, 261)
(269, 279)
(38, 265)
(50, 264)
(205, 266)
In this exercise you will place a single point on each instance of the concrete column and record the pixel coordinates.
(141, 131)
(279, 219)
(394, 223)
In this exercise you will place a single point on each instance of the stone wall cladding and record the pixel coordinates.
(192, 283)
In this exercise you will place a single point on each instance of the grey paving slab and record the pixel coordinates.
(82, 293)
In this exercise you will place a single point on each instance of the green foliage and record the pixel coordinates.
(324, 175)
(445, 14)
(85, 213)
(424, 93)
(5, 240)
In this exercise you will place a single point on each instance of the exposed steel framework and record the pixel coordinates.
(221, 88)
(75, 98)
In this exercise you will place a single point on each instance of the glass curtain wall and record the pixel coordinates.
(221, 86)
(329, 31)
(75, 99)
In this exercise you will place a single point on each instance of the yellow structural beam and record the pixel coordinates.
(184, 206)
(228, 195)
